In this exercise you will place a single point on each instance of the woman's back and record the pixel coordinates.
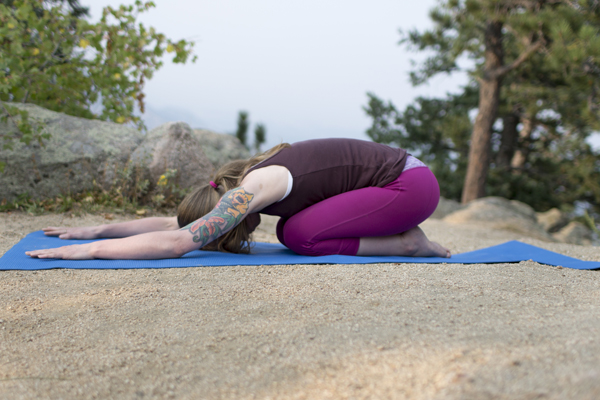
(323, 168)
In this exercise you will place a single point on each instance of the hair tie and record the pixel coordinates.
(214, 185)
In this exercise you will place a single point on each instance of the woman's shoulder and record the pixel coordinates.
(267, 185)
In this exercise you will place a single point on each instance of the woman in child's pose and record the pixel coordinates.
(334, 196)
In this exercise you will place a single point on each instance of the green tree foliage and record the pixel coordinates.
(243, 124)
(74, 7)
(435, 130)
(52, 57)
(260, 136)
(561, 168)
(242, 127)
(549, 78)
(502, 38)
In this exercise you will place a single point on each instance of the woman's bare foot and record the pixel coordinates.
(412, 243)
(415, 241)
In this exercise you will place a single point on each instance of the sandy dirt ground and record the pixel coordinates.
(383, 331)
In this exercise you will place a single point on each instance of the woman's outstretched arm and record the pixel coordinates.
(256, 192)
(118, 230)
(233, 207)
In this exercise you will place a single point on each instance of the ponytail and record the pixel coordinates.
(203, 200)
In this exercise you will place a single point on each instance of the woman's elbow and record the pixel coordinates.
(171, 224)
(180, 247)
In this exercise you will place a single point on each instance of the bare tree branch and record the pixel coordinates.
(499, 72)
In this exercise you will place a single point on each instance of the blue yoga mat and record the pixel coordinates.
(275, 254)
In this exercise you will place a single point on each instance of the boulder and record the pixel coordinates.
(172, 146)
(221, 148)
(78, 153)
(500, 213)
(552, 220)
(446, 207)
(575, 233)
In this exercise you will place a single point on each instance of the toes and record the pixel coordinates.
(439, 251)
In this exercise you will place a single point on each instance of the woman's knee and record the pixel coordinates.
(279, 230)
(298, 240)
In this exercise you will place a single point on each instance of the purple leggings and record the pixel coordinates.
(335, 225)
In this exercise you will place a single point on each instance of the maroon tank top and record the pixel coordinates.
(323, 168)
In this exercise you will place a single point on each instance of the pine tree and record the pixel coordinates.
(548, 106)
(242, 127)
(260, 136)
(502, 36)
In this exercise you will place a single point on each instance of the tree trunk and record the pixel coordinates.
(489, 98)
(520, 157)
(508, 142)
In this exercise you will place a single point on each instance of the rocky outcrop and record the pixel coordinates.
(79, 152)
(552, 220)
(500, 213)
(173, 146)
(446, 207)
(575, 233)
(82, 153)
(221, 148)
(512, 215)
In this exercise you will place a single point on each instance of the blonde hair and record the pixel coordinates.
(203, 199)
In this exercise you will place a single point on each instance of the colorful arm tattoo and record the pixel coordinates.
(228, 212)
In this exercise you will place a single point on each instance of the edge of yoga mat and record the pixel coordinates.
(276, 254)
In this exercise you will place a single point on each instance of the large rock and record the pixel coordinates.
(173, 146)
(446, 207)
(552, 220)
(221, 148)
(575, 233)
(500, 213)
(79, 152)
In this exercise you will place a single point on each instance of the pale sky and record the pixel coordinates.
(302, 68)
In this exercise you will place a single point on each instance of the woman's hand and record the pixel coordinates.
(88, 232)
(73, 252)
